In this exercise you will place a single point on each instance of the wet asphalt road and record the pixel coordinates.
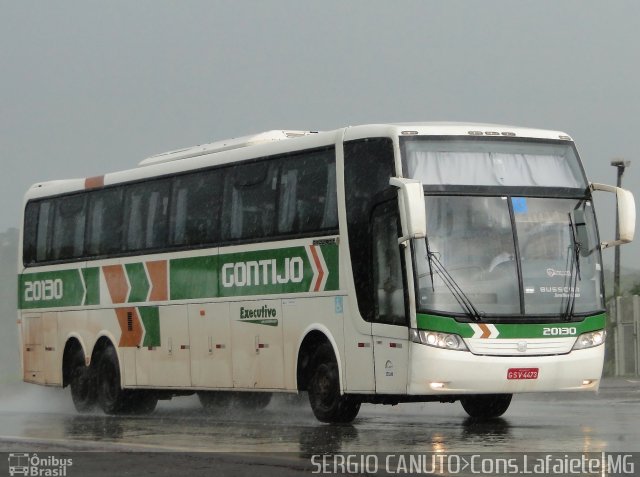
(36, 419)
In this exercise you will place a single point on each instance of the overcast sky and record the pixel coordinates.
(89, 87)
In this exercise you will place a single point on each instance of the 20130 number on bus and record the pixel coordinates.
(43, 290)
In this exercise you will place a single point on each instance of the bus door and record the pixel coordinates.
(52, 353)
(257, 336)
(167, 361)
(32, 348)
(210, 338)
(41, 354)
(389, 327)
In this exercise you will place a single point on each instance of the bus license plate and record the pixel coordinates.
(522, 373)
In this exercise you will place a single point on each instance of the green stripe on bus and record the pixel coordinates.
(150, 317)
(193, 277)
(301, 269)
(51, 289)
(330, 253)
(510, 330)
(265, 272)
(92, 283)
(138, 281)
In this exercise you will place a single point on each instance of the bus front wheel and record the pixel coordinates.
(486, 406)
(327, 403)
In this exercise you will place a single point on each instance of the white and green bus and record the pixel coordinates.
(371, 264)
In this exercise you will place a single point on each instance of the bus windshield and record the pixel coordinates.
(492, 162)
(474, 245)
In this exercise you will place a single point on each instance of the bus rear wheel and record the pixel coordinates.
(111, 397)
(486, 406)
(82, 385)
(327, 403)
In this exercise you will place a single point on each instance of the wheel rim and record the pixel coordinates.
(324, 387)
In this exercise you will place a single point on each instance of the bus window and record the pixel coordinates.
(44, 220)
(387, 266)
(104, 235)
(29, 243)
(368, 165)
(308, 194)
(67, 239)
(197, 199)
(146, 209)
(250, 201)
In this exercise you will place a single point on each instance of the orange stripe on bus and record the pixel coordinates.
(130, 326)
(314, 254)
(94, 182)
(116, 282)
(158, 276)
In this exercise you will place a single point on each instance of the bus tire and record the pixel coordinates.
(111, 397)
(486, 406)
(82, 385)
(327, 403)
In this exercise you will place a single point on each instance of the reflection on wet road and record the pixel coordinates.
(548, 423)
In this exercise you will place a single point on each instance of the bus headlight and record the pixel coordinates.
(589, 340)
(438, 340)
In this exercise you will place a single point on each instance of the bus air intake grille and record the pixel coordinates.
(520, 346)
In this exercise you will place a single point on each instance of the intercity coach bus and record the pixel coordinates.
(371, 264)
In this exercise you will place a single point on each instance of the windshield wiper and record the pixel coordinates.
(574, 269)
(463, 300)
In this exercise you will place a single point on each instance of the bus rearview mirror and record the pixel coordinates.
(412, 209)
(626, 206)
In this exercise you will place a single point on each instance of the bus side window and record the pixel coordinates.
(104, 234)
(389, 296)
(197, 199)
(146, 215)
(308, 201)
(67, 239)
(30, 233)
(43, 247)
(368, 165)
(250, 201)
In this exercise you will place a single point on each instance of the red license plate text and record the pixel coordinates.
(522, 373)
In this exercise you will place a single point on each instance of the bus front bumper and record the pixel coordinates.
(435, 371)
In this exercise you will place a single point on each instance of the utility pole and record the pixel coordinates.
(621, 165)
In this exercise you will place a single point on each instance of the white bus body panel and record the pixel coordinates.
(257, 355)
(358, 351)
(32, 348)
(391, 357)
(211, 345)
(168, 365)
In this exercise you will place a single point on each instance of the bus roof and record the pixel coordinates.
(454, 129)
(278, 142)
(223, 145)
